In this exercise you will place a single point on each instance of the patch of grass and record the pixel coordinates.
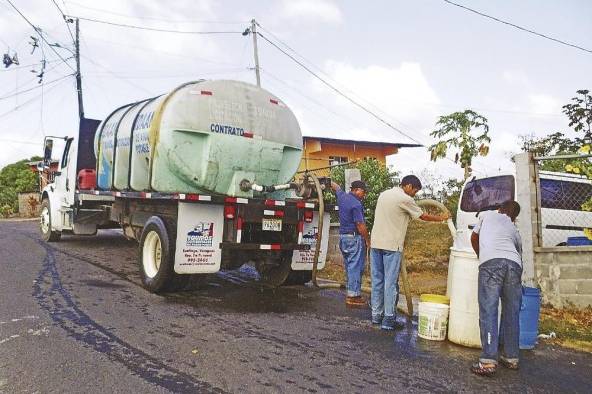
(427, 249)
(573, 326)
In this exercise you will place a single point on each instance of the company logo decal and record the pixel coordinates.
(202, 234)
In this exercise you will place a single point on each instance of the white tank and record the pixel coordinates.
(204, 136)
(462, 285)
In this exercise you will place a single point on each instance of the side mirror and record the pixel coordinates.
(47, 151)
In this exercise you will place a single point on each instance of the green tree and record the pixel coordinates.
(378, 178)
(579, 113)
(580, 117)
(456, 131)
(551, 145)
(450, 195)
(16, 178)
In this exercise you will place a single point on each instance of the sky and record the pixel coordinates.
(408, 62)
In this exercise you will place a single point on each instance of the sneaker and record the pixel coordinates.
(388, 323)
(376, 319)
(355, 302)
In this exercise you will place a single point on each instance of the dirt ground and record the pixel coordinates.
(426, 255)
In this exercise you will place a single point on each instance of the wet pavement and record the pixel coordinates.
(74, 318)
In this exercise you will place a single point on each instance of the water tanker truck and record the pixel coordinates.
(201, 177)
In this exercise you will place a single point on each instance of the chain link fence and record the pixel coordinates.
(565, 202)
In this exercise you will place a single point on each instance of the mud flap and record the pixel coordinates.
(199, 233)
(302, 259)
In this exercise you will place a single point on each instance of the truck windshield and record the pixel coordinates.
(487, 193)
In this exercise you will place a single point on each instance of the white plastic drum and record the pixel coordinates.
(463, 320)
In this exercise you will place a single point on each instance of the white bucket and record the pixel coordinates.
(432, 321)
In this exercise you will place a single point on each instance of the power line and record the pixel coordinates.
(34, 87)
(328, 77)
(41, 35)
(27, 102)
(65, 19)
(156, 29)
(157, 19)
(19, 142)
(15, 91)
(339, 92)
(518, 27)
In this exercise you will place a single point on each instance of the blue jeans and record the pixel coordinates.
(385, 281)
(353, 249)
(499, 278)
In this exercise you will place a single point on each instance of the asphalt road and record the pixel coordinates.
(75, 319)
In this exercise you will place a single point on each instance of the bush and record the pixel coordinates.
(16, 178)
(378, 178)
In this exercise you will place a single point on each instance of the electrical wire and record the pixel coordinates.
(65, 20)
(339, 92)
(38, 30)
(154, 28)
(518, 27)
(18, 142)
(153, 50)
(16, 91)
(16, 108)
(34, 87)
(329, 78)
(157, 19)
(115, 75)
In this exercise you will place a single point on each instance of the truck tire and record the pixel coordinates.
(47, 234)
(274, 270)
(298, 278)
(156, 257)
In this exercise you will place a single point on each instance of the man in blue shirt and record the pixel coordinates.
(353, 239)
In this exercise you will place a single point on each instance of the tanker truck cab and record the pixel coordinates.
(202, 177)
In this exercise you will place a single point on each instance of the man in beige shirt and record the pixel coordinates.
(394, 209)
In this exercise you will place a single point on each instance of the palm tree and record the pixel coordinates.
(456, 132)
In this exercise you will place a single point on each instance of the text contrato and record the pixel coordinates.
(224, 129)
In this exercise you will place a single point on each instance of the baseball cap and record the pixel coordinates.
(359, 185)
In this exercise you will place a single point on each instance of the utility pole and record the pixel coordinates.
(78, 76)
(255, 52)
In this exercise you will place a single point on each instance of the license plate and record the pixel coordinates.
(272, 224)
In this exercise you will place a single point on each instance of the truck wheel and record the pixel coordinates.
(274, 270)
(298, 278)
(157, 257)
(47, 233)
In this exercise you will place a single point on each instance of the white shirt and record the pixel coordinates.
(498, 238)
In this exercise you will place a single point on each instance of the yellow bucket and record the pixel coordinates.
(435, 299)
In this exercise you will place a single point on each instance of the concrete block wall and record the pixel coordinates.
(564, 275)
(29, 204)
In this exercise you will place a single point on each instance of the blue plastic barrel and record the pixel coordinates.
(578, 241)
(529, 317)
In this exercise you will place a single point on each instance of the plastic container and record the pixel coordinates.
(87, 179)
(579, 241)
(202, 137)
(463, 320)
(433, 317)
(529, 317)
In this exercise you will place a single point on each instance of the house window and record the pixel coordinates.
(335, 160)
